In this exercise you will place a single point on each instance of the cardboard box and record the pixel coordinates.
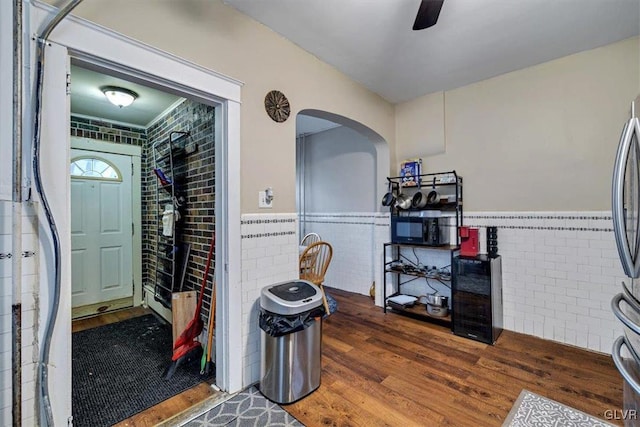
(410, 171)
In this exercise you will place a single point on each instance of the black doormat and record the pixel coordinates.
(117, 370)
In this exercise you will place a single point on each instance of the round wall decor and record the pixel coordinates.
(277, 106)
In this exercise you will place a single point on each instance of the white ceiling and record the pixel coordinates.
(88, 100)
(306, 125)
(372, 41)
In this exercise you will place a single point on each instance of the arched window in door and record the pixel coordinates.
(94, 168)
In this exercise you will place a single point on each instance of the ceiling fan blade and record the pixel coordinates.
(427, 14)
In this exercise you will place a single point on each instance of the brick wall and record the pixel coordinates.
(198, 217)
(197, 221)
(103, 130)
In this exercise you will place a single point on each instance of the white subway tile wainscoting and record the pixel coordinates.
(354, 245)
(29, 310)
(269, 255)
(560, 271)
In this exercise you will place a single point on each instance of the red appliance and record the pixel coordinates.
(469, 243)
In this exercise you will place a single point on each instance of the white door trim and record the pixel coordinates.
(229, 267)
(135, 153)
(99, 43)
(56, 182)
(94, 44)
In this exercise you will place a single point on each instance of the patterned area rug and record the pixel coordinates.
(248, 408)
(532, 410)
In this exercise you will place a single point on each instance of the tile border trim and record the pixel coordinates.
(525, 227)
(340, 222)
(573, 217)
(267, 221)
(259, 235)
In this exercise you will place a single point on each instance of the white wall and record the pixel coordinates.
(6, 97)
(339, 168)
(29, 280)
(340, 189)
(558, 281)
(220, 38)
(538, 139)
(420, 127)
(351, 235)
(560, 271)
(530, 121)
(269, 255)
(30, 291)
(111, 46)
(536, 148)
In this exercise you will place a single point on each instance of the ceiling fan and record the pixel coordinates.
(427, 14)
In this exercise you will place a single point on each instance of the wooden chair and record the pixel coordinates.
(314, 263)
(310, 238)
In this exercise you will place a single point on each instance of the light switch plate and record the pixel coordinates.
(263, 202)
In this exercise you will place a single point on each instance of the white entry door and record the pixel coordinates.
(101, 227)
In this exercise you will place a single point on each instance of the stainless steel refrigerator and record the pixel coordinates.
(626, 228)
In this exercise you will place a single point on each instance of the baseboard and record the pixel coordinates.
(150, 301)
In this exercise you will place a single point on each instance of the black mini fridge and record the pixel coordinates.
(476, 297)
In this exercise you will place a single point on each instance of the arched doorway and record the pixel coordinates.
(341, 167)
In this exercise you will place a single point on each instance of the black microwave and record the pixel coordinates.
(419, 230)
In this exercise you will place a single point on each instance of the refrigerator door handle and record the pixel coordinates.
(619, 362)
(615, 307)
(629, 264)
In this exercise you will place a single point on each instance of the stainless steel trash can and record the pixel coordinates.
(291, 338)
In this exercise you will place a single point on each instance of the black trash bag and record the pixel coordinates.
(278, 325)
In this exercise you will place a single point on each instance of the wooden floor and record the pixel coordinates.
(164, 411)
(390, 370)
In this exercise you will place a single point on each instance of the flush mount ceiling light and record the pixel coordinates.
(119, 96)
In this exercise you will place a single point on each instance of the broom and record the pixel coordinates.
(186, 345)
